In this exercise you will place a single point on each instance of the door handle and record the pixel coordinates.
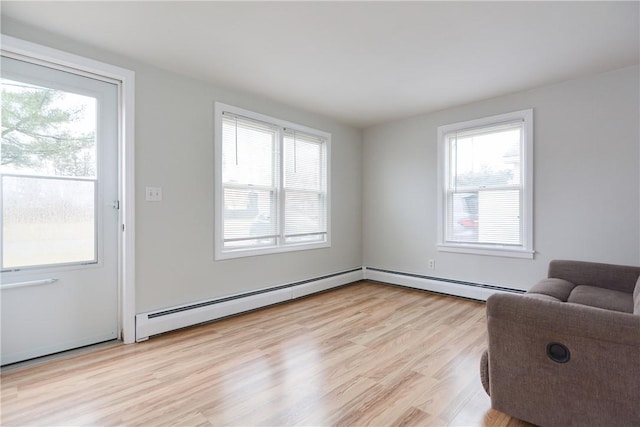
(29, 283)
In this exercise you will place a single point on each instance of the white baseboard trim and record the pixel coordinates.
(475, 291)
(160, 321)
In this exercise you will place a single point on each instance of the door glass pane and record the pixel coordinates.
(48, 175)
(47, 131)
(47, 221)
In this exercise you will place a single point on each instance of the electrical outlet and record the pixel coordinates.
(153, 194)
(431, 264)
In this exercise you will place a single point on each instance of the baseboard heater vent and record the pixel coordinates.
(157, 322)
(477, 291)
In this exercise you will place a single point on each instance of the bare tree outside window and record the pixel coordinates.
(46, 131)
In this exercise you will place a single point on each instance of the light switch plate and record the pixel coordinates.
(153, 194)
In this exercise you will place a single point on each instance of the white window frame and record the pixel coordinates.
(220, 253)
(525, 250)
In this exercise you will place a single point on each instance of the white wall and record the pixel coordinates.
(174, 150)
(586, 200)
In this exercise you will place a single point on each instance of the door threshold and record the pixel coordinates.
(60, 355)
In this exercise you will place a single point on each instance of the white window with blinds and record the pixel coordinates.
(271, 181)
(485, 172)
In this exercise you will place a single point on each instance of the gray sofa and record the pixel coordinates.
(568, 351)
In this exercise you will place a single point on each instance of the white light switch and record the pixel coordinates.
(154, 194)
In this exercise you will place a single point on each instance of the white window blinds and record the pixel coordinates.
(249, 182)
(273, 183)
(305, 186)
(485, 186)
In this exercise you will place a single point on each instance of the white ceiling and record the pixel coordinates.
(361, 62)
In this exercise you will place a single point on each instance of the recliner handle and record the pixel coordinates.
(558, 352)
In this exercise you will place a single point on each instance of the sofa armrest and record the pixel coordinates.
(564, 318)
(592, 388)
(616, 277)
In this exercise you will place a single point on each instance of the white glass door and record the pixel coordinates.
(58, 196)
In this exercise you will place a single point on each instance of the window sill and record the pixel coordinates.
(488, 250)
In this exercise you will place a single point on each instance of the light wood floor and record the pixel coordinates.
(365, 354)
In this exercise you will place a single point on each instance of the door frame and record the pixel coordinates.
(126, 160)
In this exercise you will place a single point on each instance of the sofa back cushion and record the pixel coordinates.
(616, 277)
(602, 298)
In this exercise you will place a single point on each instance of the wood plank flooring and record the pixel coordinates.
(365, 354)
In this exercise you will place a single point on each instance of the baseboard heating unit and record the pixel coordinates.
(160, 321)
(477, 291)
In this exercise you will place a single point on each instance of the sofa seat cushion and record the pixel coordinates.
(602, 298)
